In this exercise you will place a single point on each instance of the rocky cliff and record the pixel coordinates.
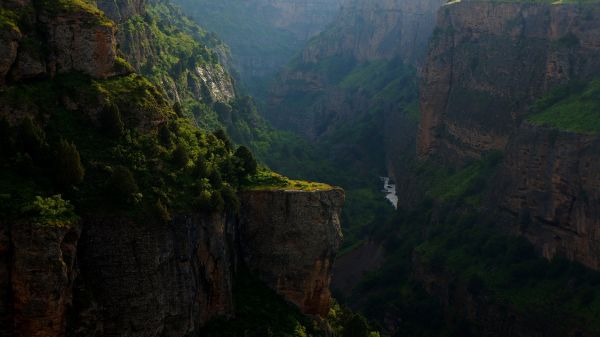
(136, 240)
(548, 192)
(290, 240)
(488, 65)
(78, 39)
(488, 61)
(192, 74)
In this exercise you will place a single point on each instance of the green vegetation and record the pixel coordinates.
(450, 238)
(57, 7)
(68, 168)
(52, 211)
(127, 175)
(574, 108)
(267, 180)
(260, 312)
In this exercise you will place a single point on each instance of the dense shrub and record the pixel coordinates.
(32, 138)
(181, 156)
(67, 167)
(246, 164)
(165, 136)
(122, 186)
(111, 120)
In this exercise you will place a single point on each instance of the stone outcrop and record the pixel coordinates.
(290, 239)
(149, 279)
(548, 191)
(488, 61)
(193, 78)
(45, 40)
(42, 271)
(121, 10)
(166, 279)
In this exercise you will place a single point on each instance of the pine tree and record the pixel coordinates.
(165, 136)
(246, 162)
(220, 134)
(32, 138)
(122, 186)
(180, 156)
(68, 168)
(111, 121)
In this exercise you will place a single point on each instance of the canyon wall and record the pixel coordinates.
(187, 75)
(76, 40)
(166, 279)
(488, 61)
(547, 190)
(290, 240)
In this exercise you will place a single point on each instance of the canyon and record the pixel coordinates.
(483, 114)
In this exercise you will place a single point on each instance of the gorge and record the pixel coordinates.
(159, 168)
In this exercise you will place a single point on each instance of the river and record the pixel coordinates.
(390, 191)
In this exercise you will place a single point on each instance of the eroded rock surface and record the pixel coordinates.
(290, 240)
(488, 61)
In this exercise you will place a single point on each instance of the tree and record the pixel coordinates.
(246, 162)
(68, 168)
(356, 326)
(111, 121)
(121, 185)
(178, 109)
(181, 156)
(165, 136)
(201, 167)
(221, 135)
(215, 179)
(32, 138)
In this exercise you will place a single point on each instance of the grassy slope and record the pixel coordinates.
(573, 108)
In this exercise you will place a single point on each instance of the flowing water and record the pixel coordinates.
(390, 191)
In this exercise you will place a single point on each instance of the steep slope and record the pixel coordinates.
(330, 80)
(118, 215)
(263, 34)
(481, 81)
(488, 62)
(496, 232)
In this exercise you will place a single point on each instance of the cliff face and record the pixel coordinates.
(76, 40)
(548, 192)
(372, 30)
(42, 271)
(488, 61)
(149, 279)
(146, 279)
(187, 74)
(290, 240)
